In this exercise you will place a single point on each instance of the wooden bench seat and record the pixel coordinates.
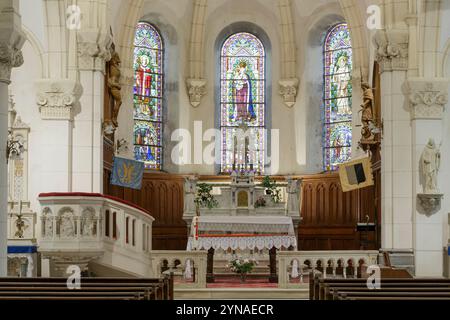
(391, 288)
(90, 289)
(344, 295)
(327, 288)
(336, 291)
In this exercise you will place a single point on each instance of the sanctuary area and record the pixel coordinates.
(224, 149)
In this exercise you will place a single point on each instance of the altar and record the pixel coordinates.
(244, 217)
(241, 232)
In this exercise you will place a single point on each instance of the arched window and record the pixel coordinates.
(148, 95)
(337, 132)
(242, 103)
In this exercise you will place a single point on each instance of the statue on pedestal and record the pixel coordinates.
(367, 112)
(190, 190)
(293, 195)
(430, 164)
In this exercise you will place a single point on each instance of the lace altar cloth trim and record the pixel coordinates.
(241, 243)
(236, 224)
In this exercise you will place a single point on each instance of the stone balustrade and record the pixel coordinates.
(294, 265)
(188, 267)
(77, 228)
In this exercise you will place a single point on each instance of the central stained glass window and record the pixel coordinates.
(242, 103)
(148, 95)
(337, 132)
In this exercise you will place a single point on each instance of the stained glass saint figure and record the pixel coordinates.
(337, 103)
(148, 95)
(243, 99)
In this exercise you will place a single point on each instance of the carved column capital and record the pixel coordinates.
(392, 49)
(94, 49)
(427, 97)
(288, 90)
(196, 90)
(10, 57)
(56, 98)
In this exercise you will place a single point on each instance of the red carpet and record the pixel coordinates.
(235, 282)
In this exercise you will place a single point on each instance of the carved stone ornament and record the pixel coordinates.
(56, 98)
(196, 90)
(430, 203)
(288, 90)
(392, 49)
(94, 49)
(427, 97)
(10, 57)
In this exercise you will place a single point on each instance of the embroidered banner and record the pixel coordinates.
(127, 173)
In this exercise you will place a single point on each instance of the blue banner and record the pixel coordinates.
(127, 173)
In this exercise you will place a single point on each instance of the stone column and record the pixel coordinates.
(396, 167)
(93, 52)
(11, 41)
(427, 99)
(58, 101)
(195, 83)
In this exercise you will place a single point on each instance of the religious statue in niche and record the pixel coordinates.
(48, 226)
(88, 225)
(243, 97)
(367, 120)
(20, 226)
(67, 227)
(430, 165)
(341, 76)
(114, 86)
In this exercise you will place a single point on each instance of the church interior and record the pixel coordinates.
(221, 149)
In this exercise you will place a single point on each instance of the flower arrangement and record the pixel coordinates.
(242, 266)
(260, 202)
(271, 189)
(204, 198)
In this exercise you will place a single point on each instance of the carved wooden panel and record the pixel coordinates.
(330, 216)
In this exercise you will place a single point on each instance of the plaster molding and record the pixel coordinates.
(427, 97)
(56, 98)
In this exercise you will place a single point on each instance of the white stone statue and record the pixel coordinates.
(88, 227)
(292, 190)
(66, 225)
(190, 189)
(430, 163)
(48, 227)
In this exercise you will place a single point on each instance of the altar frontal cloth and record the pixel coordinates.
(235, 232)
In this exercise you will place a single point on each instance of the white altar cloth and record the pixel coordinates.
(241, 232)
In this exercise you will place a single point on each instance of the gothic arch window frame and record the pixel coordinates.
(157, 121)
(261, 35)
(343, 125)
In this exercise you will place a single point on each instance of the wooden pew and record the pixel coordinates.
(91, 289)
(391, 288)
(389, 295)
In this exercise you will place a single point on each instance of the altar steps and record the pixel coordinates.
(300, 293)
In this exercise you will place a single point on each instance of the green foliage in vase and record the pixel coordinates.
(204, 198)
(271, 189)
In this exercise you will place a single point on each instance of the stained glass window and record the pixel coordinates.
(148, 94)
(337, 132)
(242, 103)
